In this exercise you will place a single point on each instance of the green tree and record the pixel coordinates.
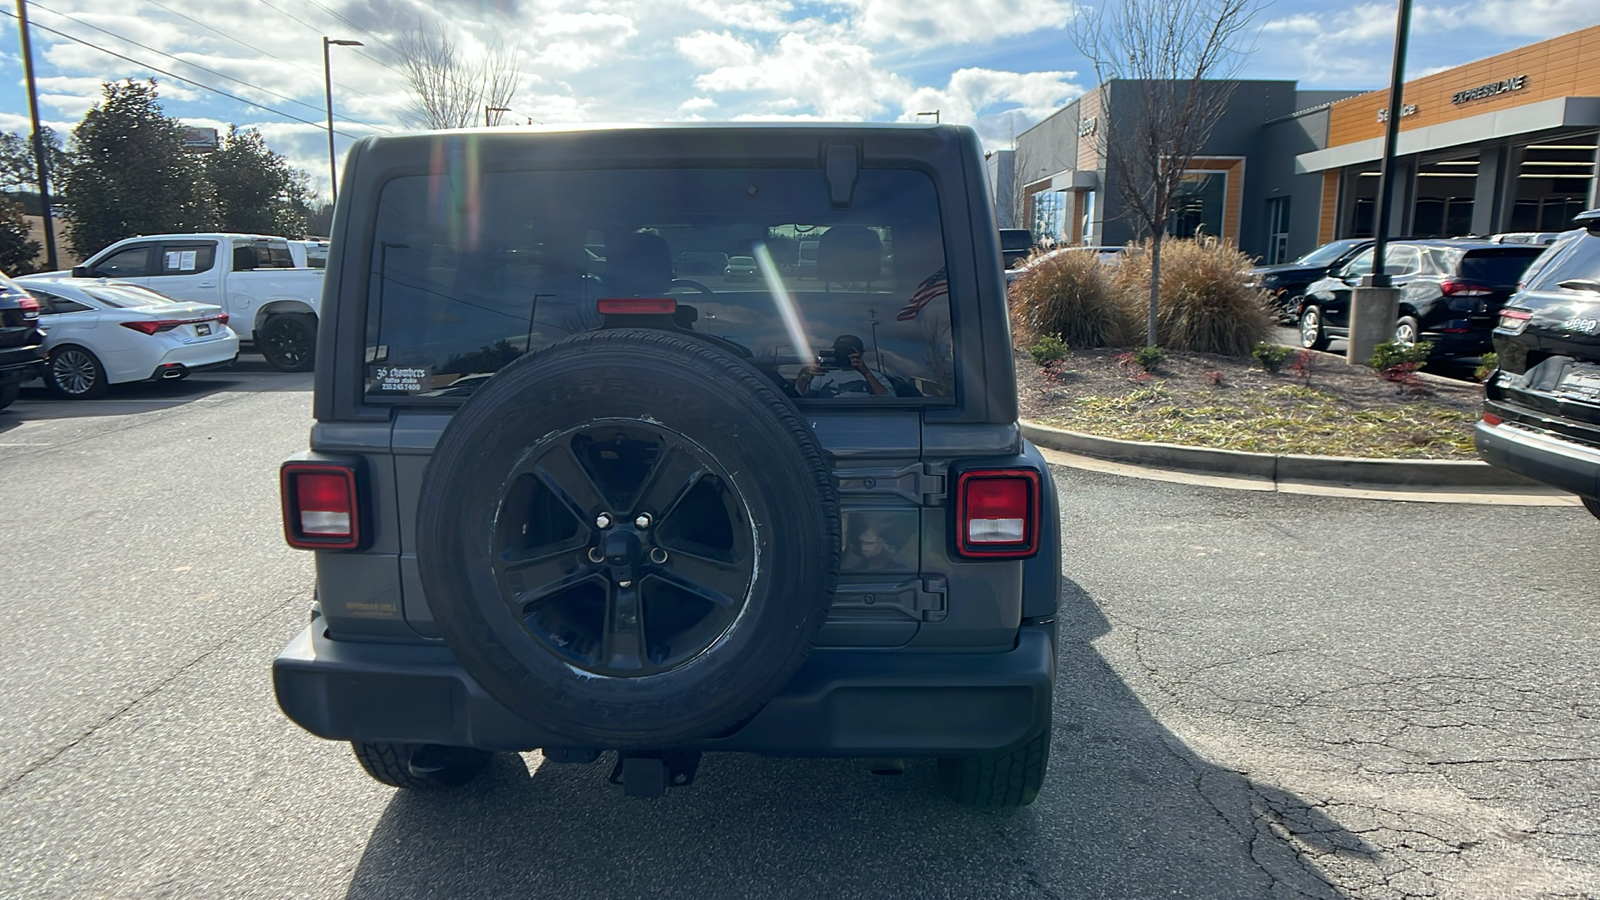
(257, 191)
(16, 251)
(128, 173)
(16, 159)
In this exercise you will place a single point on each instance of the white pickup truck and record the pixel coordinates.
(269, 301)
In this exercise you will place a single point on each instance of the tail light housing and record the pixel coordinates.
(1514, 320)
(1453, 288)
(29, 307)
(997, 513)
(156, 326)
(637, 306)
(321, 506)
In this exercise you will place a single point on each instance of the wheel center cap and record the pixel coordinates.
(623, 550)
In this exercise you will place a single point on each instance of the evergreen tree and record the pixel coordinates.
(256, 189)
(128, 173)
(16, 251)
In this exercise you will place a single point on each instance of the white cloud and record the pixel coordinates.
(709, 50)
(838, 79)
(954, 21)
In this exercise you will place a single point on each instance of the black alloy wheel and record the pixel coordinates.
(623, 548)
(289, 342)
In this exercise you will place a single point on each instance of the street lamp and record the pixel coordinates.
(931, 112)
(327, 81)
(493, 109)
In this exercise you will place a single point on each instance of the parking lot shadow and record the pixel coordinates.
(250, 373)
(1127, 811)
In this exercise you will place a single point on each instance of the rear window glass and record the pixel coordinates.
(1574, 259)
(126, 295)
(846, 304)
(1498, 267)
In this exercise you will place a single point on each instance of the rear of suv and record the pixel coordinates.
(563, 498)
(21, 340)
(1541, 414)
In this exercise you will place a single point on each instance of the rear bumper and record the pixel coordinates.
(21, 363)
(840, 703)
(1542, 456)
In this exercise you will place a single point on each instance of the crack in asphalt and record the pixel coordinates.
(231, 637)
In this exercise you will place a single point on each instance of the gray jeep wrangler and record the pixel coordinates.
(563, 499)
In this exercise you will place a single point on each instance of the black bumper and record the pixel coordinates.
(840, 703)
(21, 363)
(1542, 456)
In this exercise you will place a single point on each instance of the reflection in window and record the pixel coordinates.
(1197, 205)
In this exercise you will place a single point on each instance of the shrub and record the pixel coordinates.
(1205, 306)
(1270, 356)
(1305, 362)
(1048, 349)
(1215, 377)
(1486, 366)
(1389, 354)
(1149, 357)
(1070, 296)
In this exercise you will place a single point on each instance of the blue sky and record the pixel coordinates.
(996, 64)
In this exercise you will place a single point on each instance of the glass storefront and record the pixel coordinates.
(1197, 206)
(1555, 181)
(1444, 196)
(1050, 216)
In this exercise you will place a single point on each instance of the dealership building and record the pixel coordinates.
(1504, 144)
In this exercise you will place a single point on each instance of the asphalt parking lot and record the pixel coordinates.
(1261, 695)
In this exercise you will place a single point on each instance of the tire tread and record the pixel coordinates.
(998, 781)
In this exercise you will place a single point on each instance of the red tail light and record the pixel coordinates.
(1491, 420)
(27, 304)
(1514, 320)
(222, 319)
(637, 306)
(1464, 289)
(320, 508)
(155, 326)
(997, 513)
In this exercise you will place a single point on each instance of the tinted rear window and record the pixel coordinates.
(465, 278)
(1577, 258)
(1015, 239)
(1501, 268)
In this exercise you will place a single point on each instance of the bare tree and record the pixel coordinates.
(1160, 65)
(453, 91)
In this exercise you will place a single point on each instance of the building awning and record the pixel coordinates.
(1068, 180)
(1561, 112)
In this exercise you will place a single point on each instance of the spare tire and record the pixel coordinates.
(629, 538)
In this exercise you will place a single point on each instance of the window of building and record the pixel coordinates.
(1554, 183)
(1362, 189)
(1197, 205)
(1444, 194)
(1050, 216)
(1277, 230)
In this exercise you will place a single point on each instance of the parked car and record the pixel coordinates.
(1451, 292)
(1287, 282)
(1543, 238)
(806, 265)
(810, 531)
(309, 254)
(741, 268)
(270, 302)
(21, 340)
(1541, 412)
(104, 332)
(1015, 245)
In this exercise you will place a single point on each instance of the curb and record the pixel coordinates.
(1334, 471)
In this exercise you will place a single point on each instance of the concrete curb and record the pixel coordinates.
(1335, 471)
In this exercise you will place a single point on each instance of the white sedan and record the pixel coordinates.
(100, 333)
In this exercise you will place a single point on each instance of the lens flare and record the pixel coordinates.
(785, 303)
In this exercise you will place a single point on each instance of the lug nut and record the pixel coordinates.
(603, 520)
(643, 521)
(595, 555)
(658, 556)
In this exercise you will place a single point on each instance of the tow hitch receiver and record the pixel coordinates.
(648, 773)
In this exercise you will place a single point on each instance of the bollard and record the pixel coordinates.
(1373, 312)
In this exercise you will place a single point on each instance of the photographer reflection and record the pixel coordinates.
(841, 372)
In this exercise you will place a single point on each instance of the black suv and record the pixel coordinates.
(1451, 292)
(1286, 283)
(588, 510)
(21, 340)
(1541, 415)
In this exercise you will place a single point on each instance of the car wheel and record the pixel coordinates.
(629, 538)
(1406, 331)
(998, 780)
(1312, 335)
(289, 341)
(421, 767)
(1592, 505)
(1289, 313)
(73, 373)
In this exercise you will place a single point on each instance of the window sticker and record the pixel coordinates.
(397, 379)
(173, 258)
(186, 262)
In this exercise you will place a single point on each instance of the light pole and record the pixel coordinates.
(931, 112)
(41, 166)
(493, 109)
(327, 82)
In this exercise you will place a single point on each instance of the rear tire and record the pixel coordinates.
(1407, 331)
(421, 767)
(73, 373)
(999, 781)
(1312, 335)
(1592, 505)
(289, 341)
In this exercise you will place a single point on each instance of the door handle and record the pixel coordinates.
(207, 284)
